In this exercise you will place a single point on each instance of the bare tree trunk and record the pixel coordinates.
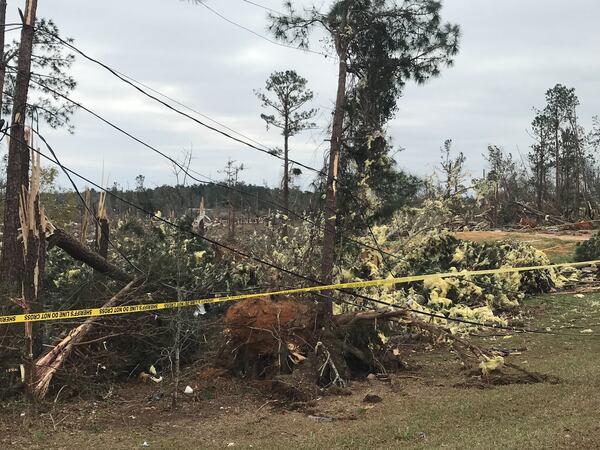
(557, 165)
(17, 172)
(2, 57)
(177, 351)
(102, 227)
(541, 171)
(103, 236)
(231, 220)
(286, 175)
(330, 210)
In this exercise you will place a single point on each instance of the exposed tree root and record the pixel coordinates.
(278, 341)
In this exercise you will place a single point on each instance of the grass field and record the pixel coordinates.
(424, 410)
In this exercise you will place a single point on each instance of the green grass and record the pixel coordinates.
(426, 413)
(557, 250)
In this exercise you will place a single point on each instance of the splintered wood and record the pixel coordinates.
(33, 234)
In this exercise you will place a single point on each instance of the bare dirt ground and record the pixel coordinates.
(559, 247)
(421, 408)
(523, 235)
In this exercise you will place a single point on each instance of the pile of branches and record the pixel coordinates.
(147, 263)
(482, 297)
(588, 250)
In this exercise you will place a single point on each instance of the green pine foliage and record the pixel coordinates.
(588, 250)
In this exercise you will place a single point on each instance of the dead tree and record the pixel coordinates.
(232, 171)
(17, 172)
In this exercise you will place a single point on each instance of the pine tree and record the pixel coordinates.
(287, 94)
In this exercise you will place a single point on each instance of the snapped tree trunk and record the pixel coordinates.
(33, 225)
(103, 237)
(330, 210)
(17, 172)
(77, 251)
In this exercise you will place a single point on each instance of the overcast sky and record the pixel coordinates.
(511, 52)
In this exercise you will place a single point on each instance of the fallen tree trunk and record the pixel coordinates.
(380, 314)
(76, 250)
(47, 365)
(540, 213)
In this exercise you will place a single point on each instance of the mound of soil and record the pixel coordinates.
(266, 337)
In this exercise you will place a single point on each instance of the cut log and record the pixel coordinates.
(47, 365)
(76, 250)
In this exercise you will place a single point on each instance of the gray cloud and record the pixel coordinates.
(511, 52)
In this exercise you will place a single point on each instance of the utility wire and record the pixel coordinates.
(280, 44)
(189, 108)
(272, 153)
(127, 80)
(266, 8)
(262, 148)
(291, 272)
(209, 181)
(130, 80)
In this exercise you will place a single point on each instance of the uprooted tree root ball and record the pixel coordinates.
(281, 343)
(266, 338)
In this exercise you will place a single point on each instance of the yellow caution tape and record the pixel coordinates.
(128, 309)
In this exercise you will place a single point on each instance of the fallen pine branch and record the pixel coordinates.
(47, 365)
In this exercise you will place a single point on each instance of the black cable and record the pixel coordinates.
(189, 108)
(281, 269)
(85, 205)
(211, 181)
(265, 149)
(292, 273)
(280, 44)
(168, 222)
(273, 153)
